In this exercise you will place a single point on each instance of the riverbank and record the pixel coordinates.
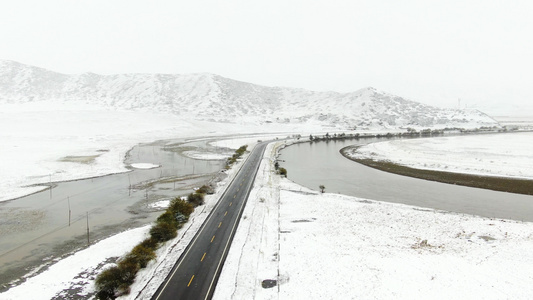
(502, 184)
(500, 162)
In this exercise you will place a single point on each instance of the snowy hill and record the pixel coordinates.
(214, 98)
(522, 111)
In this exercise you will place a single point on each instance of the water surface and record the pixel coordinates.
(320, 163)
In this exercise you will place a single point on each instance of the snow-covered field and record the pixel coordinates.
(506, 155)
(38, 138)
(354, 249)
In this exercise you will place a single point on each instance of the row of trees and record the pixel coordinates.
(116, 281)
(409, 132)
(334, 136)
(238, 153)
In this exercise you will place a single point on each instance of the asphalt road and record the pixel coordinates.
(196, 273)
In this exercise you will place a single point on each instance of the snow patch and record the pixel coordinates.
(160, 204)
(144, 166)
(205, 155)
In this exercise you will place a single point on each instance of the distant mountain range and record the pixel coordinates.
(214, 98)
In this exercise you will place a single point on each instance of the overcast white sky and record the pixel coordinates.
(429, 51)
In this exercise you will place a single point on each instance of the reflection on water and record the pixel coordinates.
(36, 228)
(320, 163)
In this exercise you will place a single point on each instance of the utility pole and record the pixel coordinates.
(50, 186)
(69, 211)
(88, 241)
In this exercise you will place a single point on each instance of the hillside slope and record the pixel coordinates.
(214, 98)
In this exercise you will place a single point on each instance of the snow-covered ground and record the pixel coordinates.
(508, 155)
(330, 246)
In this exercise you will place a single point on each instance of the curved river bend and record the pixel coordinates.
(320, 163)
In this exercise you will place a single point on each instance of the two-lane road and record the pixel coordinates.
(196, 273)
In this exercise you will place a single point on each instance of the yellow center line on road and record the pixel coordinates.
(219, 224)
(203, 257)
(190, 281)
(212, 238)
(230, 203)
(234, 196)
(226, 213)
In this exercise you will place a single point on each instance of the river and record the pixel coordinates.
(320, 163)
